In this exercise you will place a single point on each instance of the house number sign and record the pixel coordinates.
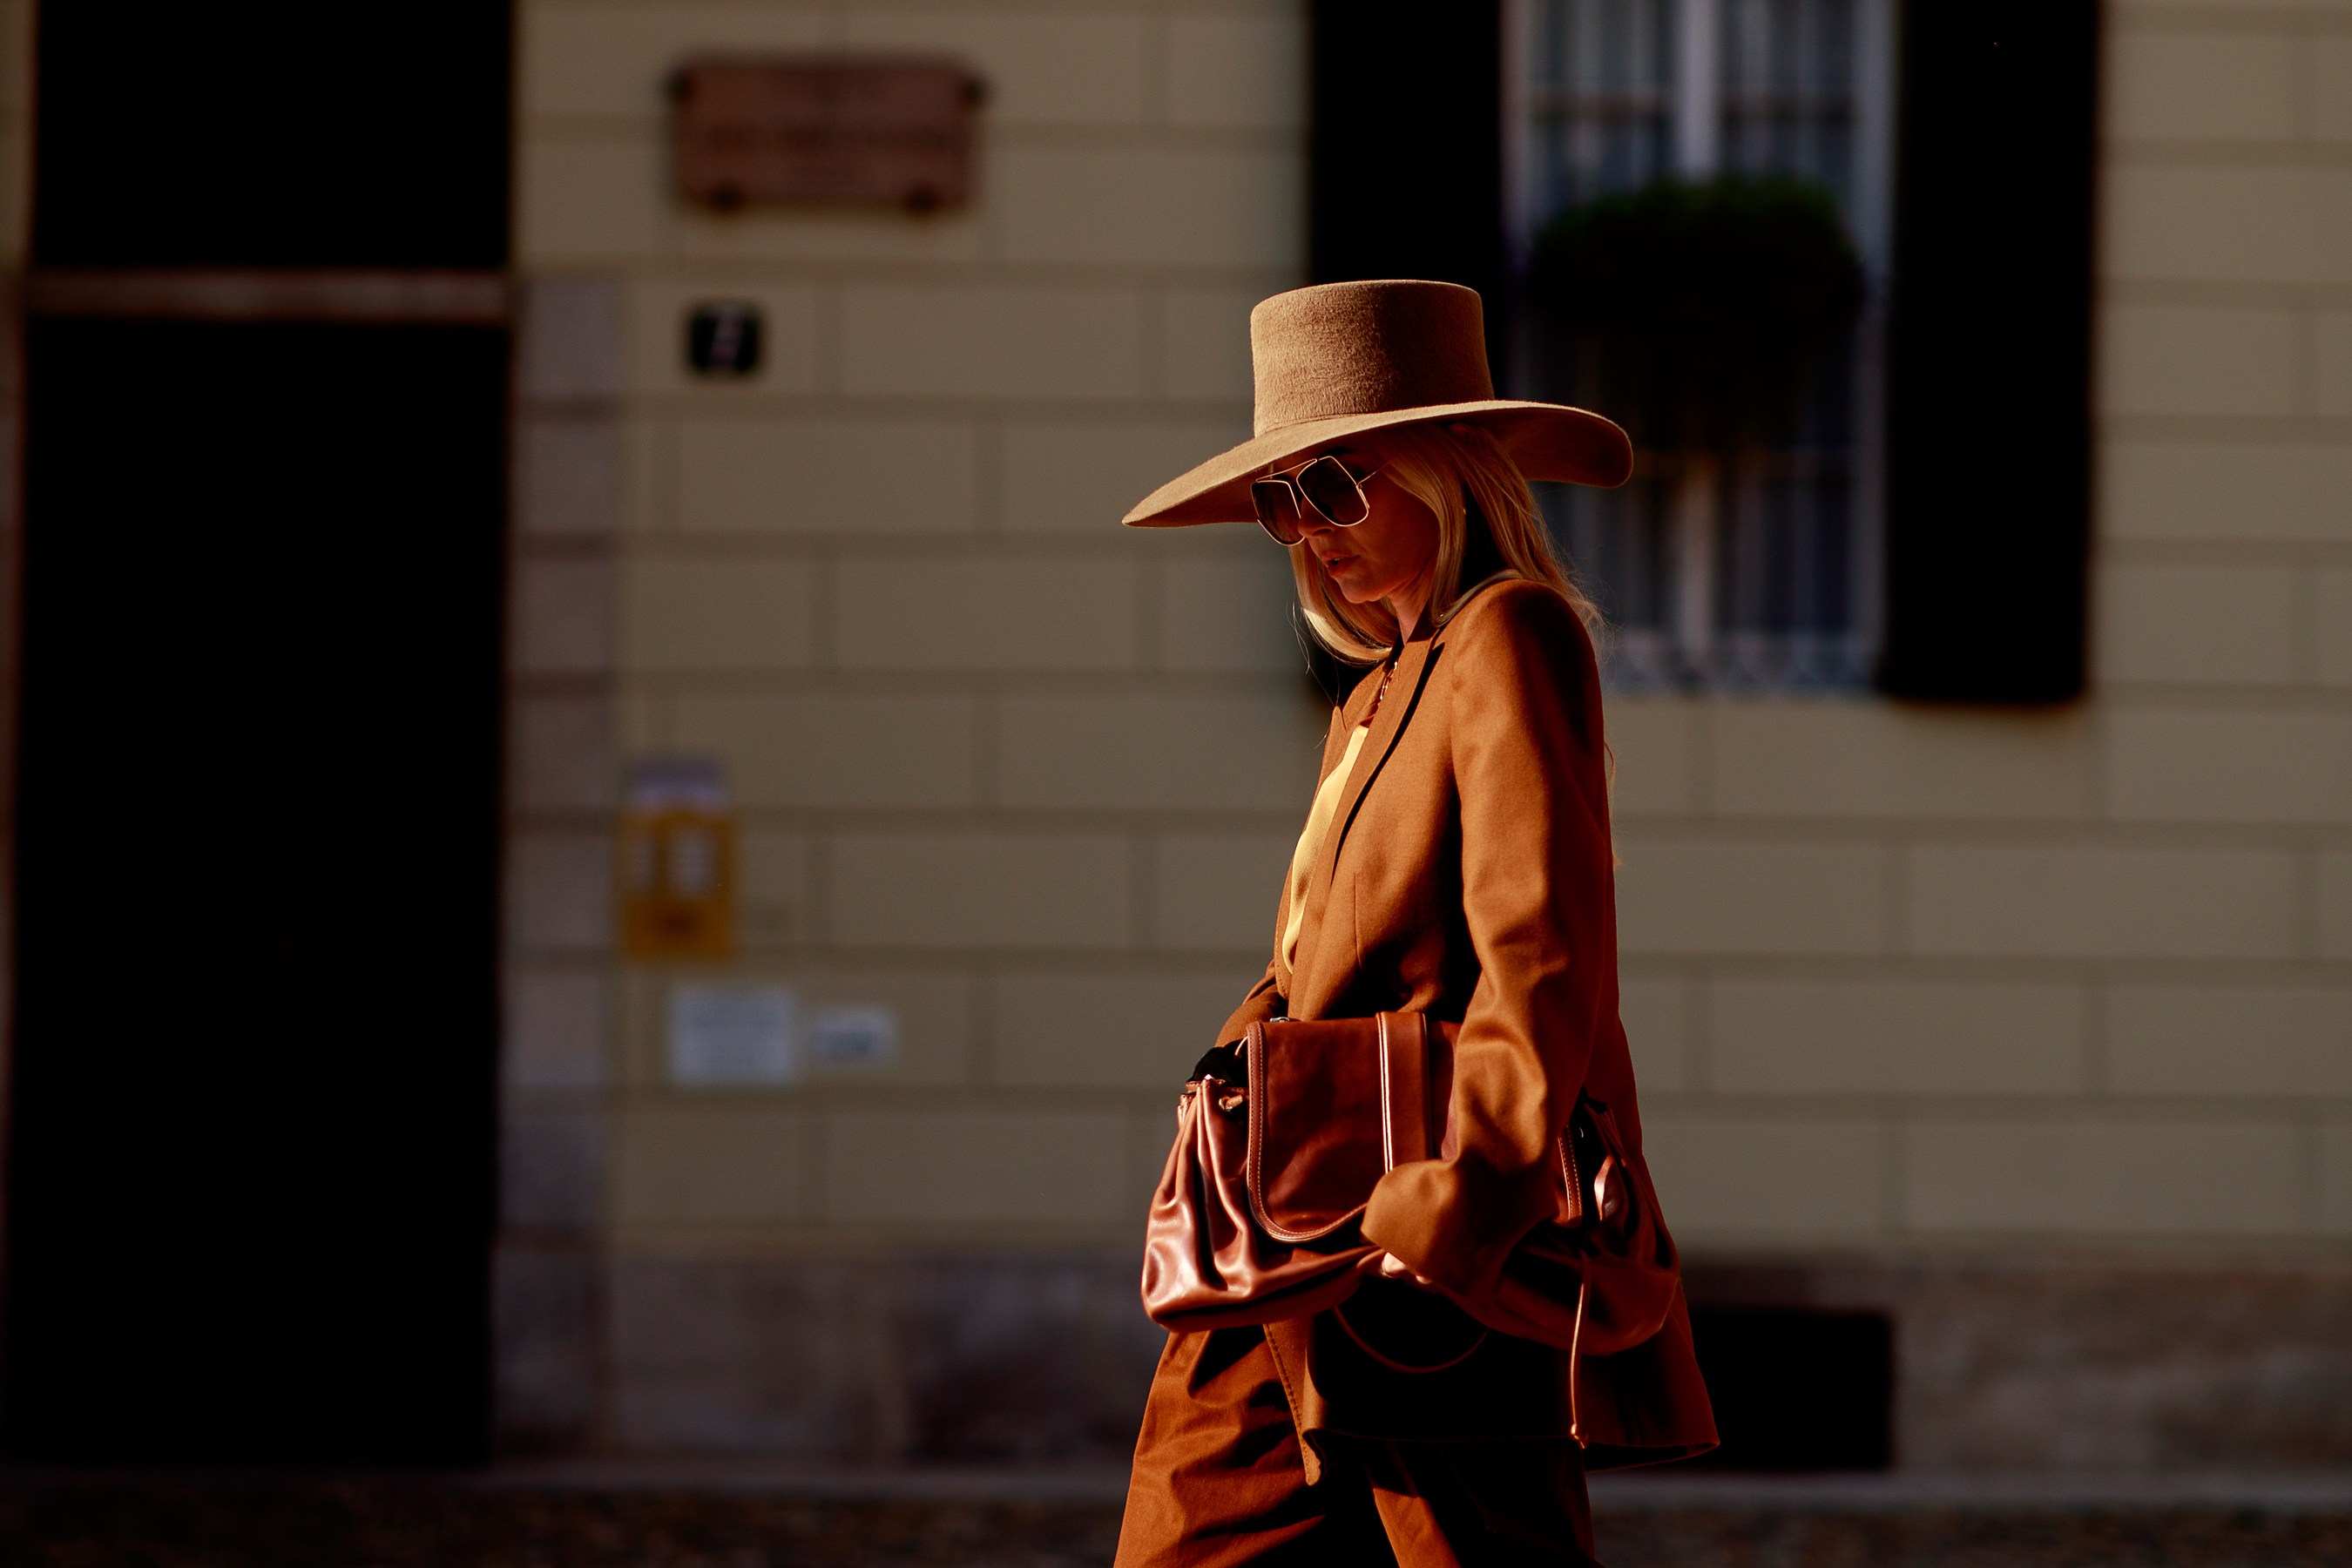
(825, 129)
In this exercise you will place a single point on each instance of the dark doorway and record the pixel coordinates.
(249, 1160)
(252, 1071)
(272, 133)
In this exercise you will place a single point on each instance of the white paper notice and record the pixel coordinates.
(853, 1036)
(732, 1034)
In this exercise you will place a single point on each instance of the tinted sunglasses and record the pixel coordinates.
(1320, 484)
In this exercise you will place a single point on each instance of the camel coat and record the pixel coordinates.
(1468, 875)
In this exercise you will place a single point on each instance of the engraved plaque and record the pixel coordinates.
(850, 130)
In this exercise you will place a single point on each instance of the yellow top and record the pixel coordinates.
(1310, 844)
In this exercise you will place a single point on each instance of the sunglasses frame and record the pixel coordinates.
(1304, 503)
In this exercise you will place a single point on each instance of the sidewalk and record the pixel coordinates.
(1650, 1520)
(707, 1514)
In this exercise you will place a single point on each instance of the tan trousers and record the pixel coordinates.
(1219, 1480)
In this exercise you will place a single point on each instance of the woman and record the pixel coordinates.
(1457, 863)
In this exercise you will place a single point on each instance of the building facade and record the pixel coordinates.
(2031, 1028)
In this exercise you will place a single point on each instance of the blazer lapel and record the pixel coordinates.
(1405, 685)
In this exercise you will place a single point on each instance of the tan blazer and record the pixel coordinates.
(1467, 875)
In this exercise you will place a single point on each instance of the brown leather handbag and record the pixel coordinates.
(1279, 1141)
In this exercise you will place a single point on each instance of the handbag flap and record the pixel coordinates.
(1334, 1105)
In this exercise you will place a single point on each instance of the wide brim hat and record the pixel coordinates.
(1340, 359)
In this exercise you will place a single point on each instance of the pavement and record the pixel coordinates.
(1931, 1520)
(705, 1514)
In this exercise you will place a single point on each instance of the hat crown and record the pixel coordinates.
(1341, 349)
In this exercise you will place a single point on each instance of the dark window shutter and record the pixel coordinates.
(1989, 401)
(1406, 171)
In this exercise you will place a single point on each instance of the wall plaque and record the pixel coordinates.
(853, 130)
(731, 1035)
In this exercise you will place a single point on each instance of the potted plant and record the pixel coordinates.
(1700, 312)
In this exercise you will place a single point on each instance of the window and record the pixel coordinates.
(1760, 570)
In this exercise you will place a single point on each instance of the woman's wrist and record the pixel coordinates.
(1395, 1267)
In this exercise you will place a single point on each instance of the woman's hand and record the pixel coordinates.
(1395, 1267)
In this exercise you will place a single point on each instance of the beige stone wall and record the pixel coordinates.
(1000, 766)
(560, 775)
(1896, 977)
(1941, 979)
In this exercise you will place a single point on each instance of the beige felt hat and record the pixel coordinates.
(1343, 358)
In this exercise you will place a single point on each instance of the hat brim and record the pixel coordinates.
(1546, 440)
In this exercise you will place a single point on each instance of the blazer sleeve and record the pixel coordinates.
(1256, 1008)
(1537, 900)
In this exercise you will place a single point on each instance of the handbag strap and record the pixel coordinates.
(1404, 1089)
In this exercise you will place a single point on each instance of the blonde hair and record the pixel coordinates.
(1446, 468)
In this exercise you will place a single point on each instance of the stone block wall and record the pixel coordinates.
(2039, 1360)
(562, 776)
(2026, 1027)
(1021, 776)
(1923, 979)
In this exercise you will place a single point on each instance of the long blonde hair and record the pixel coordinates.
(1445, 467)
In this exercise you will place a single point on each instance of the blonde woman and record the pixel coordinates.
(1456, 863)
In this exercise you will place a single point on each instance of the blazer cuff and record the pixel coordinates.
(1255, 1009)
(1456, 1221)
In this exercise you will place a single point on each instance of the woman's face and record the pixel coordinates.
(1387, 552)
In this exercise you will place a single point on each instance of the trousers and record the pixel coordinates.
(1219, 1480)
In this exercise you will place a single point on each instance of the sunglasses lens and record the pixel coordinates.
(1277, 509)
(1334, 492)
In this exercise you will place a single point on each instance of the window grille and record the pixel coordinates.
(1760, 573)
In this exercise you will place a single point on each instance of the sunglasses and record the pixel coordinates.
(1322, 485)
